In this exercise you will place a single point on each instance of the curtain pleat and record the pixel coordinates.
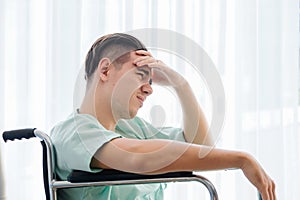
(253, 44)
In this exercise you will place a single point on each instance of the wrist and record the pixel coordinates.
(245, 160)
(181, 85)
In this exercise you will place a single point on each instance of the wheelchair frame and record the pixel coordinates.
(83, 179)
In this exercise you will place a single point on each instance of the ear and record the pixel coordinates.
(103, 69)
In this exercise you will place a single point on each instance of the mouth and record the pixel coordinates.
(141, 99)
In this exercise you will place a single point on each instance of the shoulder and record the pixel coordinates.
(75, 121)
(79, 126)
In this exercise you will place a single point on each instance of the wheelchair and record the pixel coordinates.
(103, 178)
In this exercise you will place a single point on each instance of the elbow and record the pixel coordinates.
(143, 157)
(141, 164)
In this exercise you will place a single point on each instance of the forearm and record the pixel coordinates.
(161, 156)
(216, 159)
(195, 124)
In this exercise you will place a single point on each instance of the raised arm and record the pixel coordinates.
(195, 125)
(160, 156)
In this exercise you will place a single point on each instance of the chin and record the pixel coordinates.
(128, 115)
(133, 113)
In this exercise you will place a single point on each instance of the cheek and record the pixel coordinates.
(124, 89)
(127, 83)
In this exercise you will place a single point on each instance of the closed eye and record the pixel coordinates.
(141, 74)
(144, 73)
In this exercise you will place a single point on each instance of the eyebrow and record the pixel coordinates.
(143, 69)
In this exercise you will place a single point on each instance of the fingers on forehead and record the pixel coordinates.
(143, 52)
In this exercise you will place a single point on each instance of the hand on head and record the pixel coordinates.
(161, 73)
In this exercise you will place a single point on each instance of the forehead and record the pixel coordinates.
(130, 64)
(134, 55)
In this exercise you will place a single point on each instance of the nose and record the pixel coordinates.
(147, 89)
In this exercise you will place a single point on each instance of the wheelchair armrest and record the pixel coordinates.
(115, 177)
(77, 176)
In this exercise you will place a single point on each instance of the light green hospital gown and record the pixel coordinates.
(77, 139)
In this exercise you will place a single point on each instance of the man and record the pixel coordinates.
(105, 133)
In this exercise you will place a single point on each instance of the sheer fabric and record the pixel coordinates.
(254, 45)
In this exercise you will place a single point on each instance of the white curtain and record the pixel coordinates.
(254, 45)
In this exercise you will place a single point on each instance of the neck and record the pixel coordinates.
(99, 107)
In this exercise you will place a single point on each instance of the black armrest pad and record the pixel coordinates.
(115, 175)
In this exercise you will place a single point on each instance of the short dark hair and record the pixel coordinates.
(116, 46)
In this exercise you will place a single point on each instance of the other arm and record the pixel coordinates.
(161, 156)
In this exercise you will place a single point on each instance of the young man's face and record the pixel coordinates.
(131, 87)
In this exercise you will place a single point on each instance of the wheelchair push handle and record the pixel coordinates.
(18, 134)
